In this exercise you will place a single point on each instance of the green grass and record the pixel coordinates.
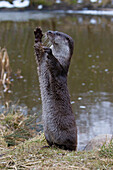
(107, 150)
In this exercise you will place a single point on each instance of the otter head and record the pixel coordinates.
(62, 47)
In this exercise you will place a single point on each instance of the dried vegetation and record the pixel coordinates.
(21, 148)
(5, 70)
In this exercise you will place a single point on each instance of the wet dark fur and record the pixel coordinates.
(53, 63)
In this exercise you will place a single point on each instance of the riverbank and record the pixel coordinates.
(31, 155)
(23, 151)
(26, 15)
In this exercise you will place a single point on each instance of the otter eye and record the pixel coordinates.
(67, 38)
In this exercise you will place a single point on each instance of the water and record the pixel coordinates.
(90, 78)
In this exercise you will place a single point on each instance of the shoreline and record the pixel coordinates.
(99, 12)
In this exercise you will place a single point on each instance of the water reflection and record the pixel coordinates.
(94, 113)
(90, 76)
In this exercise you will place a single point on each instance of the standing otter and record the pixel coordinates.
(53, 64)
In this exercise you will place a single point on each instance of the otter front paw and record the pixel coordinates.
(38, 48)
(38, 35)
(39, 51)
(47, 50)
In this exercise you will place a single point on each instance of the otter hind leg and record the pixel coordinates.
(67, 144)
(47, 137)
(66, 147)
(49, 143)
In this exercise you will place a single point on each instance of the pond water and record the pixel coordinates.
(90, 78)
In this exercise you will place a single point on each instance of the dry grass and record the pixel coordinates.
(5, 70)
(16, 128)
(30, 153)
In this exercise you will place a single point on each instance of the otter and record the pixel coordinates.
(53, 64)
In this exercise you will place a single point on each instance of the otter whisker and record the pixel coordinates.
(49, 44)
(44, 38)
(46, 41)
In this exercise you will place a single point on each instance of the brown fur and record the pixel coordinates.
(53, 63)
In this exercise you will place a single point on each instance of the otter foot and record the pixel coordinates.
(43, 147)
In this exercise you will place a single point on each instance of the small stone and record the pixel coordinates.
(82, 107)
(79, 98)
(72, 102)
(40, 6)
